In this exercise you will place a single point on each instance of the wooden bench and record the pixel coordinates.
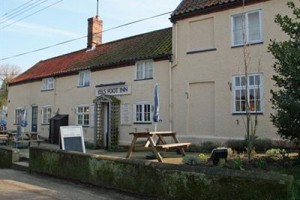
(28, 141)
(158, 145)
(3, 138)
(172, 145)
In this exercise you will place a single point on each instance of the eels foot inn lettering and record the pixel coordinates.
(116, 90)
(197, 64)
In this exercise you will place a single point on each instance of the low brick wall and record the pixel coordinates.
(159, 179)
(8, 156)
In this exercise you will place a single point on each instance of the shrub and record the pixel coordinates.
(261, 145)
(237, 145)
(191, 160)
(208, 146)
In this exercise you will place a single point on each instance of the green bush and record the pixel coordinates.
(191, 160)
(207, 147)
(89, 145)
(237, 145)
(261, 145)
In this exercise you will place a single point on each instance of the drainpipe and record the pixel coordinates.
(173, 63)
(170, 97)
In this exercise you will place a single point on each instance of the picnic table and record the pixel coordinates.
(3, 137)
(25, 137)
(159, 144)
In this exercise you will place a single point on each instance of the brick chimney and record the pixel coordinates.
(94, 32)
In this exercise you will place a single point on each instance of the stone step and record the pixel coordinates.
(21, 165)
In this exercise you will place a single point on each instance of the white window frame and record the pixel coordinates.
(239, 88)
(19, 112)
(84, 78)
(48, 84)
(46, 114)
(83, 117)
(145, 113)
(144, 70)
(245, 25)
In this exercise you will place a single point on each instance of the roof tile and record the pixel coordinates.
(189, 6)
(153, 45)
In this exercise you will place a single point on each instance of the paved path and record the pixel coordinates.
(19, 185)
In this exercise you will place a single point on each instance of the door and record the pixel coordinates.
(202, 109)
(34, 118)
(106, 123)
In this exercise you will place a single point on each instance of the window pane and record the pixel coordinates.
(80, 119)
(86, 119)
(237, 81)
(258, 105)
(257, 80)
(257, 93)
(81, 78)
(147, 113)
(139, 72)
(238, 94)
(243, 81)
(138, 113)
(148, 70)
(238, 30)
(237, 106)
(251, 80)
(87, 78)
(253, 27)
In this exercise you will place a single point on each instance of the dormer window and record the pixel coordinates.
(48, 84)
(144, 70)
(84, 78)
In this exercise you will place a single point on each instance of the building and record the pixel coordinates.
(198, 65)
(208, 67)
(106, 88)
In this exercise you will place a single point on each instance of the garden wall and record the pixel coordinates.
(8, 156)
(159, 179)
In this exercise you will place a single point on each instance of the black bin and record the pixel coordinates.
(55, 123)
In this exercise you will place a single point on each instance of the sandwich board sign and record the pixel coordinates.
(72, 138)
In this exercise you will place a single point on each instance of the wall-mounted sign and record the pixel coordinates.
(113, 90)
(126, 114)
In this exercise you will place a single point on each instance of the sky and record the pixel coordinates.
(29, 25)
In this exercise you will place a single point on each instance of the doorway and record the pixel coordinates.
(106, 123)
(34, 119)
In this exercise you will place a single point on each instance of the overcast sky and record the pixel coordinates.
(67, 20)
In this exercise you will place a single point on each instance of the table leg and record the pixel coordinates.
(157, 154)
(181, 149)
(131, 147)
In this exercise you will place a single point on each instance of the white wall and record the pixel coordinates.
(214, 119)
(67, 96)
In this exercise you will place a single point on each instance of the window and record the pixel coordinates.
(246, 28)
(19, 112)
(47, 113)
(143, 113)
(48, 84)
(144, 70)
(254, 93)
(84, 78)
(83, 116)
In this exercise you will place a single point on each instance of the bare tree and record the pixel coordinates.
(7, 73)
(251, 115)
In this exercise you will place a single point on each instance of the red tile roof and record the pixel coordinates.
(189, 8)
(124, 52)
